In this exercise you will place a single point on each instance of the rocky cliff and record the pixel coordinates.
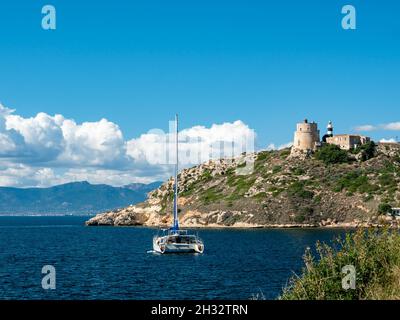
(284, 190)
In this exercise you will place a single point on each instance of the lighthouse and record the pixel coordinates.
(329, 131)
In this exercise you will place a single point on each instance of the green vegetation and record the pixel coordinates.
(275, 191)
(298, 171)
(284, 153)
(260, 196)
(299, 218)
(241, 165)
(241, 185)
(375, 255)
(331, 154)
(384, 208)
(303, 214)
(276, 169)
(206, 176)
(317, 199)
(387, 179)
(263, 156)
(367, 150)
(368, 197)
(211, 195)
(189, 190)
(355, 181)
(297, 189)
(262, 159)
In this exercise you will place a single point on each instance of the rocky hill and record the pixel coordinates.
(329, 188)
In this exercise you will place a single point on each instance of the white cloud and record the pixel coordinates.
(45, 150)
(393, 126)
(391, 140)
(197, 144)
(366, 127)
(54, 139)
(272, 146)
(92, 144)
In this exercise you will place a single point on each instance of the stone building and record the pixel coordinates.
(306, 136)
(347, 141)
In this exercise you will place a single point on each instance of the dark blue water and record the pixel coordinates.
(113, 263)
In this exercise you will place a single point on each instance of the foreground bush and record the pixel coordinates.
(375, 254)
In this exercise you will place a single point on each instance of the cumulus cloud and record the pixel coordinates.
(45, 150)
(196, 144)
(391, 140)
(92, 144)
(366, 127)
(393, 126)
(272, 146)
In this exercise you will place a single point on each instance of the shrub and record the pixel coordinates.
(211, 195)
(260, 196)
(298, 171)
(387, 179)
(331, 154)
(384, 208)
(300, 218)
(375, 254)
(368, 197)
(264, 155)
(275, 191)
(297, 189)
(285, 153)
(367, 150)
(397, 158)
(355, 181)
(206, 176)
(276, 169)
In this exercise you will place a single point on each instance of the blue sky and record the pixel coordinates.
(266, 63)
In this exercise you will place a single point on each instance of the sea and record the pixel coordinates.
(116, 263)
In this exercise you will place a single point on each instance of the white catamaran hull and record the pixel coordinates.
(160, 246)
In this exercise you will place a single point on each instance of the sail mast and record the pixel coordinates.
(176, 221)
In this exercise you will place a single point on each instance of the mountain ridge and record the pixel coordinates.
(76, 198)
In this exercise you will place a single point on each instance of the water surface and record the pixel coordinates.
(114, 263)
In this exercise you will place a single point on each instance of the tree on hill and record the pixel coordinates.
(331, 154)
(367, 150)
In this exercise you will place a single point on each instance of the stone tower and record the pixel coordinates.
(307, 136)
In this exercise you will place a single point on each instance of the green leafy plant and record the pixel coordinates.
(297, 188)
(384, 208)
(375, 255)
(331, 154)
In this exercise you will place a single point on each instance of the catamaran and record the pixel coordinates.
(174, 239)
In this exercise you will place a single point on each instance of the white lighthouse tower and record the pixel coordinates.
(329, 128)
(329, 132)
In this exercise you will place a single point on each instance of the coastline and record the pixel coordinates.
(343, 225)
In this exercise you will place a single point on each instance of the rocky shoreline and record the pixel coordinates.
(110, 220)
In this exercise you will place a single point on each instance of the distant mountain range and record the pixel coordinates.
(76, 198)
